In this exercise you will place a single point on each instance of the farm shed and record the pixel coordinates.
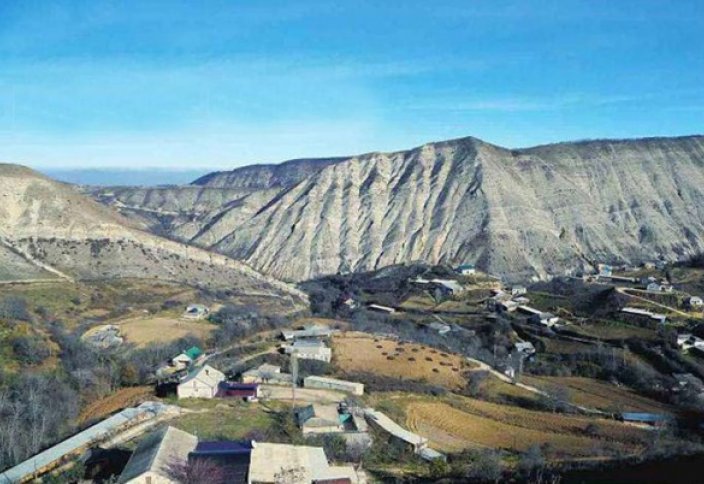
(200, 383)
(334, 384)
(150, 460)
(379, 419)
(645, 418)
(73, 446)
(381, 309)
(270, 460)
(642, 313)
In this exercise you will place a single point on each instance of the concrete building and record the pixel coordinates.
(310, 350)
(150, 461)
(333, 384)
(202, 382)
(276, 463)
(518, 291)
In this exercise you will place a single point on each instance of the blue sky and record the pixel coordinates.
(218, 84)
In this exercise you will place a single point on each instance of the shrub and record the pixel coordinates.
(30, 350)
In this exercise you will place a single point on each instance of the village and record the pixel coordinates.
(377, 367)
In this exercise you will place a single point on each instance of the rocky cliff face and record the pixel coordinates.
(521, 213)
(49, 226)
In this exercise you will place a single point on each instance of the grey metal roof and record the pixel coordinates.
(154, 451)
(82, 439)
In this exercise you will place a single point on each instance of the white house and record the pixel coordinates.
(310, 350)
(518, 291)
(525, 347)
(466, 269)
(546, 319)
(150, 461)
(688, 341)
(200, 383)
(695, 302)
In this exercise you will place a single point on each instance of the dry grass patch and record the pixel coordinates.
(154, 329)
(385, 357)
(123, 398)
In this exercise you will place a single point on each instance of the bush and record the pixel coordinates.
(13, 307)
(30, 350)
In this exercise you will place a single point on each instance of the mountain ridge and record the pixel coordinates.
(523, 213)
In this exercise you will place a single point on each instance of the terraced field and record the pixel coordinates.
(596, 394)
(468, 423)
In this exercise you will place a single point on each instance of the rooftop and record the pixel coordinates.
(269, 460)
(155, 452)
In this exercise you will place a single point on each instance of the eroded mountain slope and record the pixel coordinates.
(520, 213)
(54, 228)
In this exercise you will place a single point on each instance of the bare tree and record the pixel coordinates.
(198, 471)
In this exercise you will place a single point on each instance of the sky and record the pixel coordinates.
(184, 85)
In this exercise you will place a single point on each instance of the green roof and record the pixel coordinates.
(193, 352)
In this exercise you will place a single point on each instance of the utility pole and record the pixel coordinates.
(294, 378)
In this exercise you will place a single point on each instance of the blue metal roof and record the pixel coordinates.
(223, 447)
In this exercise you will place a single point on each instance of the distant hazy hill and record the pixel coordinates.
(123, 177)
(520, 213)
(48, 229)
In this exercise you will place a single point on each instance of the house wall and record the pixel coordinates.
(351, 387)
(195, 389)
(150, 477)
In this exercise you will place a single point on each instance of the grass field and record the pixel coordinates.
(600, 395)
(217, 420)
(98, 300)
(158, 329)
(362, 353)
